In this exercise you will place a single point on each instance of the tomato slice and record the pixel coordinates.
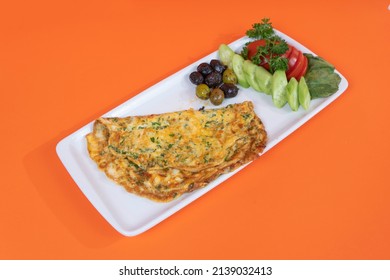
(304, 68)
(252, 47)
(297, 62)
(298, 67)
(288, 52)
(292, 59)
(252, 50)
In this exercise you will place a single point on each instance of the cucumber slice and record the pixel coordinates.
(225, 54)
(292, 94)
(278, 88)
(303, 94)
(263, 79)
(237, 64)
(249, 72)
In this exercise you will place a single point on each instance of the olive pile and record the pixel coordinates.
(214, 81)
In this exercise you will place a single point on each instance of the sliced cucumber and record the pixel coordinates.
(278, 88)
(249, 72)
(237, 64)
(303, 94)
(292, 94)
(263, 79)
(225, 54)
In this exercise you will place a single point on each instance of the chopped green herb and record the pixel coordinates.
(157, 125)
(133, 164)
(246, 116)
(147, 150)
(133, 155)
(117, 150)
(209, 123)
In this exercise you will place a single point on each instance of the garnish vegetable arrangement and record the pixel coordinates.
(268, 64)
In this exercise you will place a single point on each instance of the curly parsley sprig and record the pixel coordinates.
(261, 30)
(272, 50)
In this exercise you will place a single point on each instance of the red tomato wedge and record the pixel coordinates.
(252, 50)
(297, 62)
(304, 68)
(252, 47)
(288, 52)
(299, 68)
(292, 59)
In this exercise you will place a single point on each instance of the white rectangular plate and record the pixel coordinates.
(132, 215)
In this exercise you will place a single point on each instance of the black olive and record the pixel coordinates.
(196, 78)
(217, 65)
(205, 68)
(213, 79)
(230, 90)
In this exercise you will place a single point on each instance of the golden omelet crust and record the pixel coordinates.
(162, 156)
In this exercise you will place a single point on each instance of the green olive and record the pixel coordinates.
(217, 96)
(229, 77)
(203, 91)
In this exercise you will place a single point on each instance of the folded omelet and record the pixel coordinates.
(162, 156)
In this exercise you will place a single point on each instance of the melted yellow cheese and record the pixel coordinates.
(163, 156)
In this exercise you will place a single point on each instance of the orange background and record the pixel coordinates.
(322, 193)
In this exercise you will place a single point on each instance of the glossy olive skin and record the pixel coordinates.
(217, 96)
(203, 91)
(214, 79)
(204, 68)
(230, 90)
(229, 77)
(196, 78)
(217, 65)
